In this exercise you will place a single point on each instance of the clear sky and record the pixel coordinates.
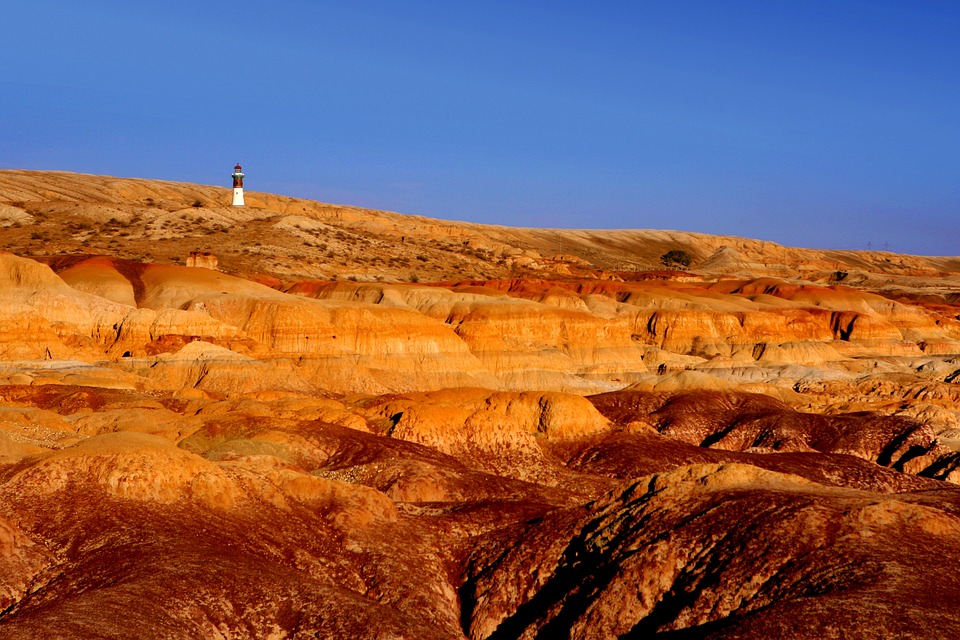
(821, 123)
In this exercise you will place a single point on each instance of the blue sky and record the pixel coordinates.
(812, 123)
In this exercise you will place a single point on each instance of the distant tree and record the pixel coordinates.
(676, 257)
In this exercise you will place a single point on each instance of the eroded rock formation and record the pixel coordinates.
(370, 425)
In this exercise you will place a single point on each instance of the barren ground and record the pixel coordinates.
(348, 423)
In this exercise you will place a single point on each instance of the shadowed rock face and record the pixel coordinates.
(722, 551)
(530, 445)
(744, 422)
(629, 455)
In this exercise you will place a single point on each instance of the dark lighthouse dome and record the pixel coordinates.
(237, 185)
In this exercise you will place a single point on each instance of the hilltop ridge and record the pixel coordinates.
(281, 236)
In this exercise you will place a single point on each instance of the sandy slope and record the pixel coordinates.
(286, 236)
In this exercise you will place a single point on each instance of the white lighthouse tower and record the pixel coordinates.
(237, 186)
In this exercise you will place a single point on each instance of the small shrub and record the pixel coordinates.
(197, 204)
(676, 257)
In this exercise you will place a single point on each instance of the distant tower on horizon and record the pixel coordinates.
(237, 186)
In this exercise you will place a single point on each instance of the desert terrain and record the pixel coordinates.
(295, 420)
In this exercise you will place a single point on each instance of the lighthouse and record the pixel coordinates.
(237, 186)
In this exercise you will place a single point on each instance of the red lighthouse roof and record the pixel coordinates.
(238, 167)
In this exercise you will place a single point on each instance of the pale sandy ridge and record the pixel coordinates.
(160, 204)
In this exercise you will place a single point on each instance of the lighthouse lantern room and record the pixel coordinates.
(237, 186)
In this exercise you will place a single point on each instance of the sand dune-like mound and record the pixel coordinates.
(497, 431)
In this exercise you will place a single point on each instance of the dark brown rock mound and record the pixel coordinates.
(737, 421)
(127, 536)
(724, 551)
(632, 455)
